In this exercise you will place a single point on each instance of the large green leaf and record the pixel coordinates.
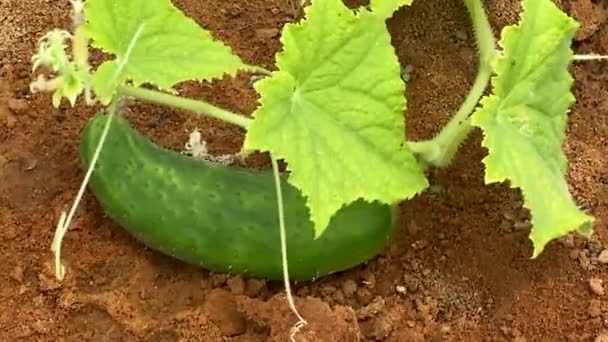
(334, 111)
(524, 119)
(154, 42)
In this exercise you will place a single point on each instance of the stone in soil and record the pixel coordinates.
(603, 257)
(596, 285)
(378, 328)
(594, 309)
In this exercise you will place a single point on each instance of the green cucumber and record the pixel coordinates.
(222, 218)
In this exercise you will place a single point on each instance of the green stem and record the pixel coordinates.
(195, 106)
(440, 150)
(258, 69)
(483, 33)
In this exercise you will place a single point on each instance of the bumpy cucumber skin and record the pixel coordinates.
(222, 218)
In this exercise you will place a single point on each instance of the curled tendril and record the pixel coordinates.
(51, 50)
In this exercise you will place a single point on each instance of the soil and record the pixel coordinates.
(458, 269)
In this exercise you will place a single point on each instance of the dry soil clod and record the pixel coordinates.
(597, 286)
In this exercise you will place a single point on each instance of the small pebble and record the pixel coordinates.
(516, 333)
(349, 288)
(412, 284)
(22, 289)
(18, 106)
(11, 121)
(585, 262)
(236, 285)
(254, 287)
(368, 279)
(594, 309)
(423, 309)
(377, 329)
(372, 309)
(406, 72)
(568, 241)
(603, 257)
(596, 286)
(18, 274)
(364, 295)
(594, 245)
(574, 253)
(603, 337)
(223, 311)
(339, 296)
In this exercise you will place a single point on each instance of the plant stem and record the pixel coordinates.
(258, 69)
(195, 106)
(440, 150)
(589, 57)
(483, 33)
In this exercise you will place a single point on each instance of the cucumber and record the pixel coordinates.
(222, 218)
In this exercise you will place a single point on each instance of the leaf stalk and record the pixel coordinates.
(440, 150)
(196, 106)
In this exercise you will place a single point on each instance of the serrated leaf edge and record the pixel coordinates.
(582, 222)
(314, 218)
(230, 73)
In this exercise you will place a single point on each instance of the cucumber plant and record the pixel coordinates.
(334, 103)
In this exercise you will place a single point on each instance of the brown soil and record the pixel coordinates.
(461, 254)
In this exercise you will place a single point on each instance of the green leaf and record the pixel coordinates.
(524, 120)
(154, 42)
(386, 8)
(334, 111)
